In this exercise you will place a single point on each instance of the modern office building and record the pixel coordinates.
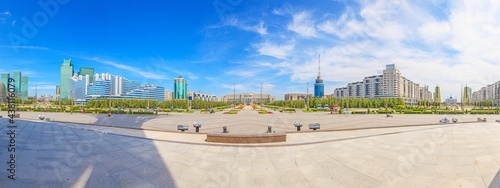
(437, 94)
(78, 85)
(249, 98)
(390, 84)
(3, 92)
(180, 88)
(20, 83)
(296, 96)
(66, 73)
(58, 92)
(200, 96)
(319, 86)
(147, 91)
(24, 87)
(87, 71)
(489, 92)
(466, 95)
(5, 79)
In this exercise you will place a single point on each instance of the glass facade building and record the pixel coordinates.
(319, 88)
(24, 87)
(66, 73)
(5, 79)
(180, 88)
(87, 71)
(147, 91)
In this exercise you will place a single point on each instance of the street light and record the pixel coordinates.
(307, 96)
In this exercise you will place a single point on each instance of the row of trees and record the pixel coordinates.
(343, 102)
(140, 103)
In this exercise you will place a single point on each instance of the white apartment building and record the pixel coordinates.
(490, 92)
(390, 84)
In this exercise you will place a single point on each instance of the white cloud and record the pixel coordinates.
(132, 70)
(303, 25)
(275, 50)
(259, 28)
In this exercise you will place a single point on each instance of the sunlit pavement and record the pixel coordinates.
(53, 154)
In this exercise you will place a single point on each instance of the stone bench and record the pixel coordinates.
(481, 119)
(314, 126)
(246, 138)
(182, 128)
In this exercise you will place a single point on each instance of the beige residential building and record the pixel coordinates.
(390, 84)
(297, 96)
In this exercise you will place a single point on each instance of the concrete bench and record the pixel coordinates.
(314, 126)
(481, 119)
(49, 119)
(454, 120)
(444, 121)
(41, 117)
(182, 128)
(498, 120)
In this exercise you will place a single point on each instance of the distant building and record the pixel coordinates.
(297, 96)
(319, 86)
(87, 71)
(3, 92)
(180, 88)
(24, 87)
(78, 86)
(437, 95)
(467, 95)
(450, 101)
(249, 98)
(20, 83)
(390, 84)
(66, 73)
(5, 79)
(489, 92)
(425, 94)
(147, 91)
(201, 96)
(58, 92)
(168, 96)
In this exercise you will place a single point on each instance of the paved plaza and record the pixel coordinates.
(372, 151)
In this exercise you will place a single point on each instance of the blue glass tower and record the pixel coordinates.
(319, 86)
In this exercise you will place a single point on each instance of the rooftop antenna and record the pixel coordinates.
(319, 66)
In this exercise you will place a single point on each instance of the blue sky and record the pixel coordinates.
(247, 42)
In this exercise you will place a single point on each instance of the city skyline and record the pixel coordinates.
(443, 43)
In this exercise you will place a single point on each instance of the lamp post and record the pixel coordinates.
(261, 93)
(307, 96)
(234, 95)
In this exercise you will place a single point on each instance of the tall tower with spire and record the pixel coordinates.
(319, 86)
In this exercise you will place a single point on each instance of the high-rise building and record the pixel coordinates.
(467, 95)
(5, 79)
(490, 92)
(17, 83)
(180, 88)
(437, 94)
(3, 92)
(77, 88)
(58, 92)
(66, 73)
(24, 87)
(87, 71)
(319, 86)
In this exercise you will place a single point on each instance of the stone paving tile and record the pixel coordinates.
(67, 153)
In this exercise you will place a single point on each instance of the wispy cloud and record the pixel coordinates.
(259, 27)
(130, 69)
(275, 50)
(303, 25)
